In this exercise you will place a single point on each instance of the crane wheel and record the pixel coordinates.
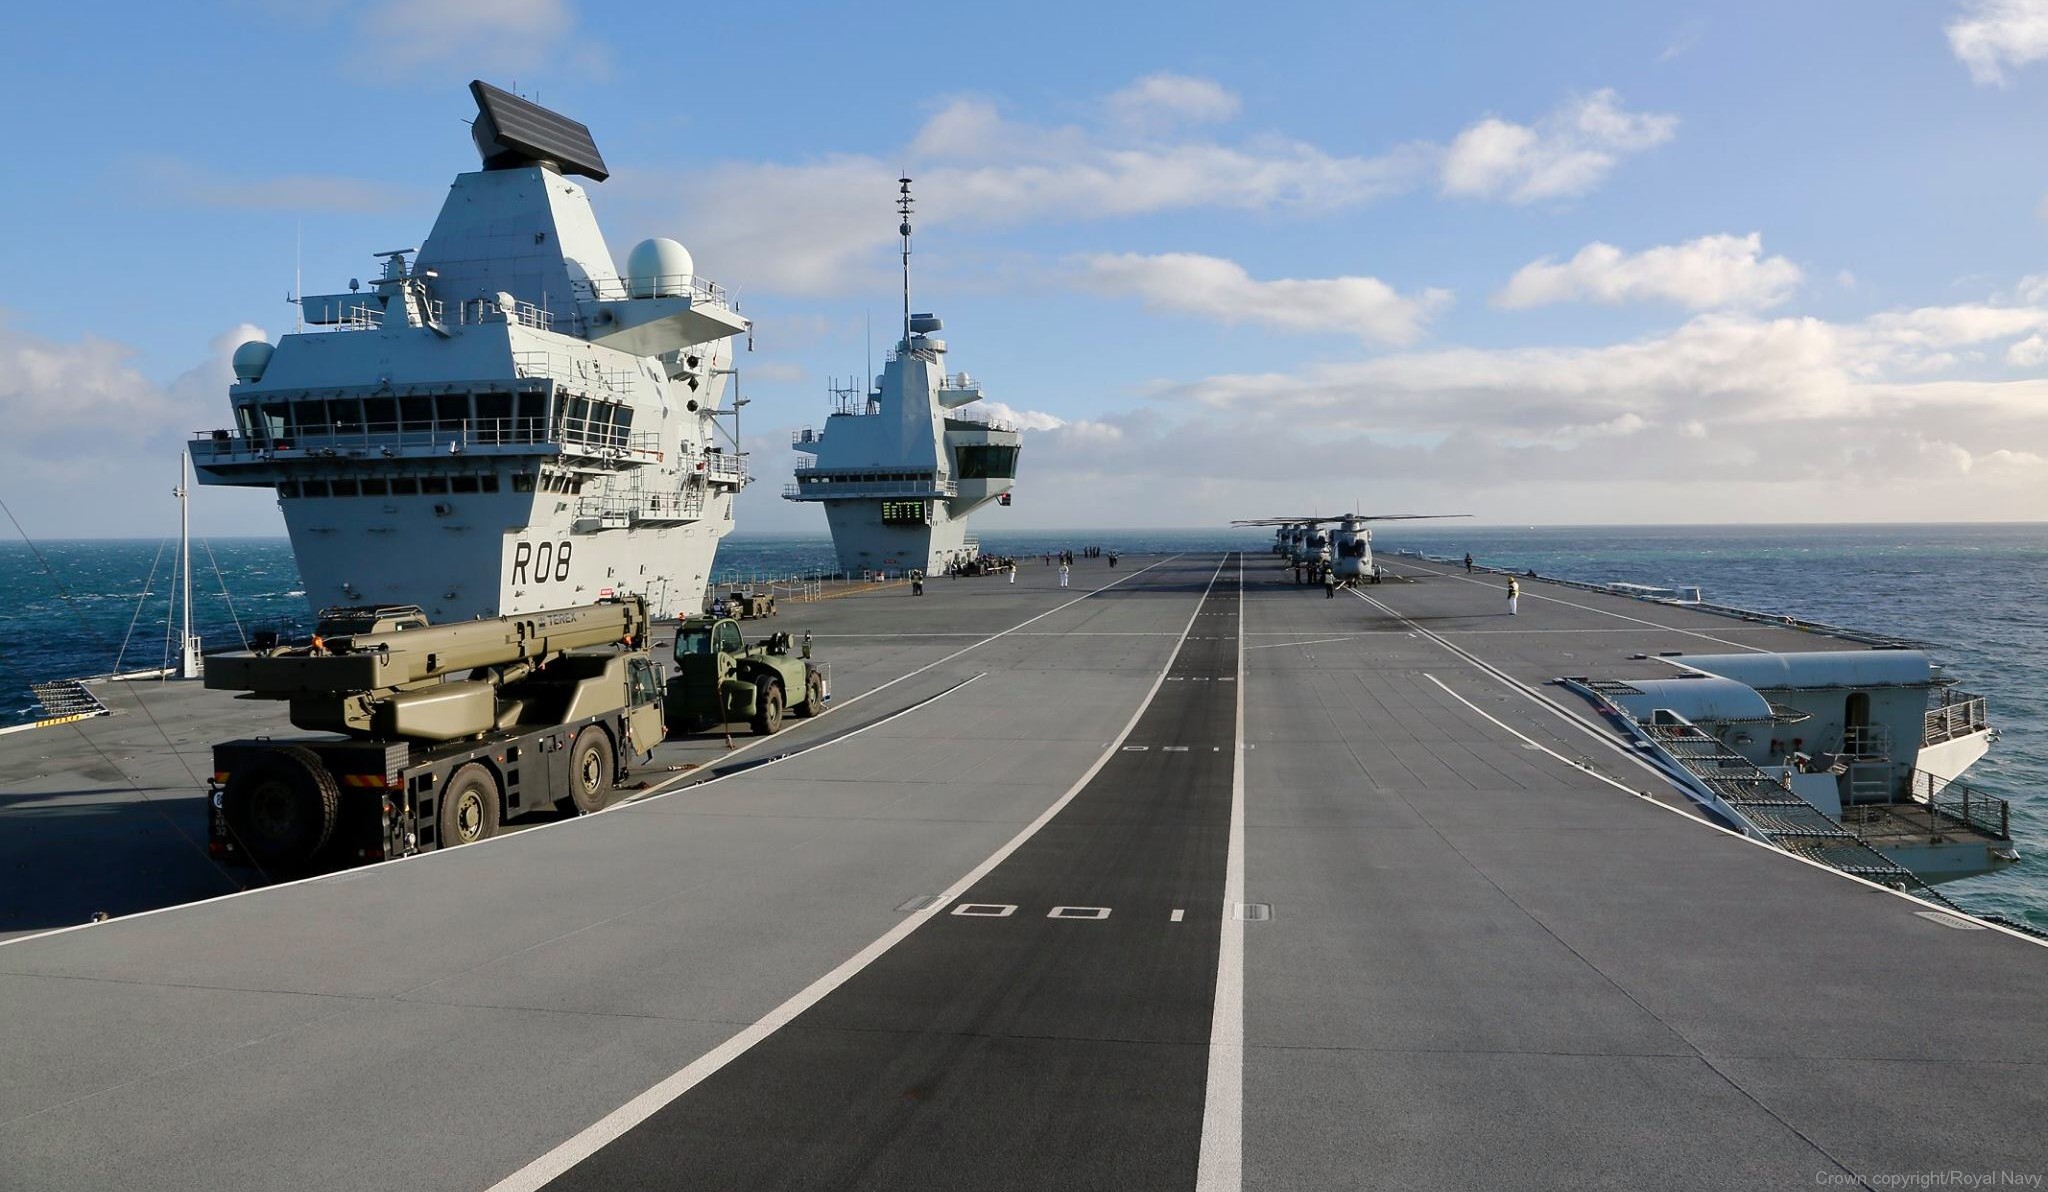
(590, 772)
(814, 697)
(281, 807)
(769, 718)
(469, 807)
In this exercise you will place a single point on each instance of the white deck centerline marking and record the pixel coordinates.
(605, 1130)
(1177, 915)
(1221, 1164)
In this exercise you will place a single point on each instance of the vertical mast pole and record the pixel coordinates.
(188, 661)
(903, 205)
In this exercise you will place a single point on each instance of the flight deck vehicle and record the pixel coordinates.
(443, 730)
(719, 679)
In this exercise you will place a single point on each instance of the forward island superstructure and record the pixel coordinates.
(901, 465)
(499, 422)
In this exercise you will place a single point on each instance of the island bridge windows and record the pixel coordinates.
(492, 417)
(986, 461)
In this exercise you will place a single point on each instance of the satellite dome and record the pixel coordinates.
(251, 359)
(658, 268)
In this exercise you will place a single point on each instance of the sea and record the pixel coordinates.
(1974, 593)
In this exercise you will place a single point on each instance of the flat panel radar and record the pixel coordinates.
(511, 132)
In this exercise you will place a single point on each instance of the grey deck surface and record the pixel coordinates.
(1484, 966)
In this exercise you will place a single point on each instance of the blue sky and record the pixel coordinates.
(1546, 263)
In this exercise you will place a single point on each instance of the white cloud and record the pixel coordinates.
(820, 227)
(52, 389)
(1704, 274)
(1567, 153)
(2031, 352)
(1726, 417)
(1687, 36)
(1219, 289)
(482, 34)
(1992, 35)
(1162, 100)
(1021, 419)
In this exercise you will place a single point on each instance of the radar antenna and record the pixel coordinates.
(903, 206)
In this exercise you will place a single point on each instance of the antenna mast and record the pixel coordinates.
(903, 206)
(188, 653)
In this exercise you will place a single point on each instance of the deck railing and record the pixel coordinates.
(572, 435)
(1963, 804)
(1959, 715)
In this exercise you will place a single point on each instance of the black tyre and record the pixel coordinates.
(281, 807)
(590, 771)
(814, 696)
(469, 807)
(768, 716)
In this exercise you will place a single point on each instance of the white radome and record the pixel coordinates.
(658, 268)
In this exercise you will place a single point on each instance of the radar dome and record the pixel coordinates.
(251, 359)
(658, 268)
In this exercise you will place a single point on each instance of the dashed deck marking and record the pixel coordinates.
(985, 910)
(1078, 912)
(724, 1138)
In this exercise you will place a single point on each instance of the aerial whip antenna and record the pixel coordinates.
(903, 206)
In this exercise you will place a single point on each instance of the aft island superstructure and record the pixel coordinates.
(901, 465)
(499, 422)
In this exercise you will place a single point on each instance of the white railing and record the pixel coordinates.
(689, 285)
(616, 383)
(683, 504)
(572, 435)
(1959, 715)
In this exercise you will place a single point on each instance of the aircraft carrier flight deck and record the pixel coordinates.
(1184, 877)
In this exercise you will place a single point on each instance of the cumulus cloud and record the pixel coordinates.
(1219, 289)
(1990, 36)
(80, 407)
(1724, 417)
(1565, 154)
(1162, 100)
(1704, 274)
(1021, 419)
(821, 226)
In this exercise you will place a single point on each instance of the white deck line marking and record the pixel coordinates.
(1221, 1165)
(1542, 701)
(1529, 693)
(1602, 611)
(638, 798)
(598, 1134)
(1773, 849)
(1314, 641)
(1178, 914)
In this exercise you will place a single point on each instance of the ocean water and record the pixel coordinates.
(1974, 592)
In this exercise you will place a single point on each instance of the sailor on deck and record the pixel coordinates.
(1063, 575)
(1514, 594)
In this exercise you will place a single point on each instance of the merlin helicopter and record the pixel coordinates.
(1344, 557)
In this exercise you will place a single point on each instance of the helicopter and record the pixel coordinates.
(1346, 554)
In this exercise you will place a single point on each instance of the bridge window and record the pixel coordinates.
(380, 414)
(404, 486)
(451, 410)
(416, 413)
(375, 488)
(987, 461)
